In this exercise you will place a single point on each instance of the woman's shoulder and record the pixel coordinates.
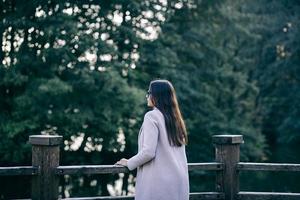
(154, 114)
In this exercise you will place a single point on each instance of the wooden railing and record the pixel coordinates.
(45, 171)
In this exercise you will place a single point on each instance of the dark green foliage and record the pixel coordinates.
(206, 69)
(68, 76)
(278, 71)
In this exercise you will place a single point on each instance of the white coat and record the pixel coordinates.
(162, 172)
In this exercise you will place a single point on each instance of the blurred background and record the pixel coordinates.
(81, 69)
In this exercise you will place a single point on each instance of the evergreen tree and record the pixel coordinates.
(198, 50)
(65, 69)
(278, 68)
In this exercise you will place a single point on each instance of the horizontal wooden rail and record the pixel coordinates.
(111, 169)
(103, 198)
(215, 166)
(193, 196)
(94, 169)
(267, 196)
(267, 166)
(91, 169)
(18, 171)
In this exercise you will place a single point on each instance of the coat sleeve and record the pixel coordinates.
(149, 143)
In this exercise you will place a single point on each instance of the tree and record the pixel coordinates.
(65, 69)
(198, 50)
(277, 70)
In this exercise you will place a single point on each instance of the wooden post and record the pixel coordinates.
(45, 156)
(227, 148)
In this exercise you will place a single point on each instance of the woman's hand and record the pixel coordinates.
(122, 162)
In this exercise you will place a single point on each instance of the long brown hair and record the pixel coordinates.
(163, 96)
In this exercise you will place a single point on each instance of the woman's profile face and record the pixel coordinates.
(148, 96)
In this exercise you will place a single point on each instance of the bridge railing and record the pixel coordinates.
(45, 171)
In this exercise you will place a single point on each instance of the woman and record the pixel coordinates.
(162, 172)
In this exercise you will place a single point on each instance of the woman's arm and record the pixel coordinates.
(149, 143)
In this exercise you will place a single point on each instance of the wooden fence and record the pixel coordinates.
(45, 171)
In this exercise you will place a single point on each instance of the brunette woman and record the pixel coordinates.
(162, 172)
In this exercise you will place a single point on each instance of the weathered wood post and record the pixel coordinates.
(45, 155)
(227, 148)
